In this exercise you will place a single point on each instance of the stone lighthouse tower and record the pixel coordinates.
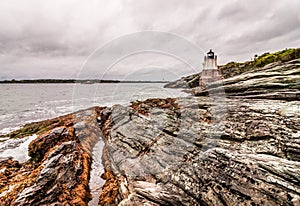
(210, 71)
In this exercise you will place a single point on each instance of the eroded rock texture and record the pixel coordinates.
(236, 143)
(182, 154)
(58, 171)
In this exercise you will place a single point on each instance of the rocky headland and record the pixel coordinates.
(236, 142)
(233, 69)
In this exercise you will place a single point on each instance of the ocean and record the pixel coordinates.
(24, 103)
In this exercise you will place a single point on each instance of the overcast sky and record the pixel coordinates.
(56, 38)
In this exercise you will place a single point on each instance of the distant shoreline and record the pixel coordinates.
(85, 81)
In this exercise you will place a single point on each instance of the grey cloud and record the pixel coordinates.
(53, 38)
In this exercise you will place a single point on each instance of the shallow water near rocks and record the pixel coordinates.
(96, 182)
(16, 148)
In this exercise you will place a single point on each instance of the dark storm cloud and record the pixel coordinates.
(53, 38)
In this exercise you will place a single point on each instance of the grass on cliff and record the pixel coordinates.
(39, 127)
(236, 68)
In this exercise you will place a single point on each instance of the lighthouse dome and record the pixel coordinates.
(210, 54)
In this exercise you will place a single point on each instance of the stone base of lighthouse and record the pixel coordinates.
(208, 76)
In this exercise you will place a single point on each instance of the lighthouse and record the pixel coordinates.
(210, 72)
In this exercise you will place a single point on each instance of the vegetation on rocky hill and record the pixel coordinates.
(234, 68)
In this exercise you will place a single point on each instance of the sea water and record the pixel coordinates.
(24, 103)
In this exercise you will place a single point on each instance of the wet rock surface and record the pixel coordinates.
(59, 167)
(57, 181)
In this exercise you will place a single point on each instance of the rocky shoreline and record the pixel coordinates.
(235, 143)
